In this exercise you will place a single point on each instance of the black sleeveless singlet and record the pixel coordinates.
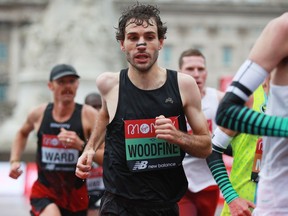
(144, 179)
(55, 162)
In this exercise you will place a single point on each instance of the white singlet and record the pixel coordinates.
(272, 194)
(197, 171)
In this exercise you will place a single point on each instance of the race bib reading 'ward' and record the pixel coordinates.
(144, 151)
(56, 156)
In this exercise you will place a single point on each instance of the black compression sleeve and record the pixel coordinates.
(219, 172)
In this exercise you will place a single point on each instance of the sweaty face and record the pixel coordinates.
(195, 67)
(64, 88)
(141, 45)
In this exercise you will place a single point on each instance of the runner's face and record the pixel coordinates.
(64, 89)
(141, 45)
(195, 67)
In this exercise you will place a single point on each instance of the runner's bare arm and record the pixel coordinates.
(199, 143)
(20, 141)
(105, 83)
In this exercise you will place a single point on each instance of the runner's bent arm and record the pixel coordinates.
(231, 112)
(105, 83)
(200, 140)
(20, 141)
(96, 139)
(91, 116)
(199, 143)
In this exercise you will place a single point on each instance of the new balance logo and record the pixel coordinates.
(140, 165)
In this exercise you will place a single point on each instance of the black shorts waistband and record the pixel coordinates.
(139, 203)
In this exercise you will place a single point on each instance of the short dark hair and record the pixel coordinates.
(190, 52)
(141, 13)
(94, 99)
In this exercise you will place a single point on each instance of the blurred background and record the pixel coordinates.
(37, 34)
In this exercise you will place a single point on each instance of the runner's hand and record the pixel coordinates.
(70, 139)
(84, 163)
(241, 207)
(15, 169)
(165, 129)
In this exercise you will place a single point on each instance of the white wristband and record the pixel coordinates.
(221, 139)
(251, 75)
